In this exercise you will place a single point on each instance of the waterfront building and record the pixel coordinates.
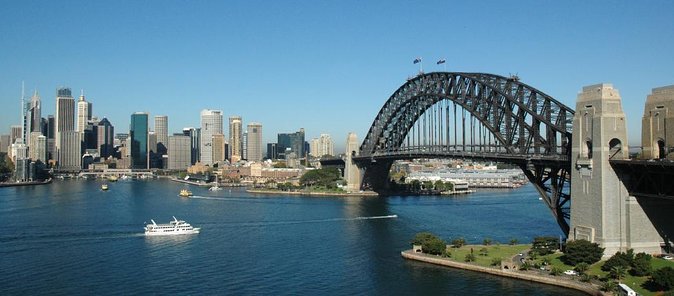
(138, 136)
(84, 110)
(179, 152)
(37, 147)
(69, 151)
(272, 151)
(235, 138)
(105, 138)
(219, 150)
(161, 130)
(195, 140)
(254, 142)
(211, 124)
(65, 115)
(293, 141)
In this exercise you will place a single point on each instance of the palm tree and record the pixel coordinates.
(618, 272)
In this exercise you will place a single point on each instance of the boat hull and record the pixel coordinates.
(168, 233)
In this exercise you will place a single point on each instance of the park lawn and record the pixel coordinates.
(505, 252)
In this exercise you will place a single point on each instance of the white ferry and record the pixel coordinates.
(174, 227)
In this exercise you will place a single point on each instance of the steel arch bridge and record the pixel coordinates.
(499, 118)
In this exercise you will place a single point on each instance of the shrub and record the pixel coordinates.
(543, 245)
(496, 261)
(609, 286)
(621, 259)
(663, 278)
(458, 242)
(513, 241)
(555, 271)
(581, 267)
(487, 241)
(469, 258)
(641, 265)
(430, 243)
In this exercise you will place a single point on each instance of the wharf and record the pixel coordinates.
(312, 193)
(25, 183)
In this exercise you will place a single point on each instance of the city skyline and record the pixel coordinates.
(323, 61)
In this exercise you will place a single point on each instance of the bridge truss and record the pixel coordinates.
(475, 116)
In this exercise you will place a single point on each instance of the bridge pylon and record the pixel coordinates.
(352, 173)
(602, 210)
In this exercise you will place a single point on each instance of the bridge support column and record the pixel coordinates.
(352, 173)
(601, 209)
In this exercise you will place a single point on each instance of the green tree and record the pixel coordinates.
(415, 185)
(325, 177)
(428, 185)
(458, 242)
(578, 251)
(280, 165)
(496, 261)
(618, 272)
(581, 267)
(544, 245)
(622, 259)
(484, 252)
(430, 243)
(609, 286)
(513, 241)
(641, 265)
(439, 185)
(663, 278)
(525, 265)
(555, 271)
(487, 241)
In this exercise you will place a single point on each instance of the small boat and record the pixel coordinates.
(104, 187)
(215, 187)
(185, 193)
(174, 227)
(112, 178)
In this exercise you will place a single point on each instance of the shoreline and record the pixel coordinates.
(555, 281)
(312, 193)
(48, 181)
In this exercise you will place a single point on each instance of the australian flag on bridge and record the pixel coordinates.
(417, 60)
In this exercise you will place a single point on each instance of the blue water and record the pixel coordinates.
(72, 238)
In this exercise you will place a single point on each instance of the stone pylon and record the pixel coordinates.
(601, 209)
(352, 174)
(657, 125)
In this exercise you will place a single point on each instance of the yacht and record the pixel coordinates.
(174, 227)
(215, 187)
(104, 187)
(185, 193)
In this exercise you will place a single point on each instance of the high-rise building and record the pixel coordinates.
(138, 134)
(34, 115)
(211, 124)
(37, 146)
(83, 113)
(272, 151)
(16, 133)
(313, 147)
(235, 138)
(65, 114)
(69, 151)
(179, 152)
(105, 137)
(218, 144)
(50, 133)
(161, 130)
(293, 142)
(325, 146)
(254, 142)
(4, 143)
(195, 140)
(244, 146)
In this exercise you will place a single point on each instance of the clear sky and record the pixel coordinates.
(326, 66)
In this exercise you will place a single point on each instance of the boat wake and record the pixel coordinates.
(272, 223)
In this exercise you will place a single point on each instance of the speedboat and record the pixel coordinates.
(104, 187)
(174, 227)
(185, 193)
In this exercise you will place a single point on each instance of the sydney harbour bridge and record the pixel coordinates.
(490, 117)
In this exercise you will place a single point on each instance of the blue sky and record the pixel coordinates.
(326, 66)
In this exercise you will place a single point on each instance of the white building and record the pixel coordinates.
(211, 124)
(83, 113)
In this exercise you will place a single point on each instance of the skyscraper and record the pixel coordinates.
(34, 114)
(4, 143)
(211, 124)
(37, 147)
(138, 134)
(83, 113)
(244, 146)
(65, 114)
(325, 146)
(16, 133)
(272, 150)
(179, 152)
(254, 142)
(293, 142)
(235, 137)
(50, 133)
(218, 147)
(313, 147)
(195, 140)
(161, 130)
(69, 151)
(105, 135)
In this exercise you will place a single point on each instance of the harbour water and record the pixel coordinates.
(72, 238)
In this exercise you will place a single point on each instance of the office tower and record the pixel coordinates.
(218, 147)
(37, 146)
(272, 151)
(65, 114)
(105, 134)
(254, 142)
(50, 133)
(293, 141)
(235, 138)
(195, 140)
(4, 143)
(83, 113)
(211, 124)
(313, 147)
(244, 146)
(69, 151)
(34, 115)
(179, 152)
(138, 134)
(161, 130)
(16, 133)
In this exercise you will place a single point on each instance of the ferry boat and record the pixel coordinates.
(185, 193)
(104, 187)
(174, 227)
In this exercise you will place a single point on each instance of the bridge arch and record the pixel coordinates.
(531, 129)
